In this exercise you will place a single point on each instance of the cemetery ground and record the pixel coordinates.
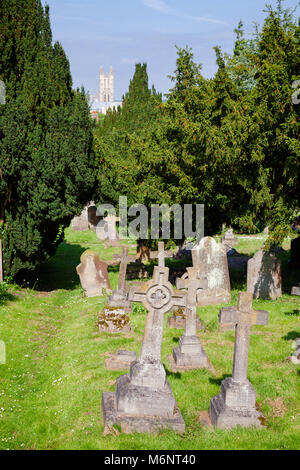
(51, 385)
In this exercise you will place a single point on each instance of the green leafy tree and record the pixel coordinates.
(46, 158)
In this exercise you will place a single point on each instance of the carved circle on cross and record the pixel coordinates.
(158, 296)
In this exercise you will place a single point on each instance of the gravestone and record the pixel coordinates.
(211, 260)
(264, 275)
(80, 223)
(161, 254)
(101, 230)
(296, 290)
(93, 274)
(229, 240)
(295, 252)
(295, 358)
(228, 317)
(143, 401)
(114, 320)
(236, 404)
(120, 361)
(190, 353)
(177, 320)
(119, 298)
(112, 232)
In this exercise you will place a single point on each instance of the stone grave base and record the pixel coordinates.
(119, 299)
(121, 360)
(138, 423)
(178, 321)
(235, 406)
(296, 290)
(114, 320)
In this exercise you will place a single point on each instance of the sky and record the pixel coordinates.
(121, 33)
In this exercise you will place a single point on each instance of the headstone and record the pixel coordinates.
(112, 227)
(264, 275)
(211, 260)
(177, 320)
(114, 320)
(101, 231)
(119, 298)
(296, 290)
(295, 251)
(93, 274)
(120, 361)
(80, 223)
(190, 353)
(143, 401)
(295, 358)
(228, 317)
(229, 240)
(161, 254)
(236, 404)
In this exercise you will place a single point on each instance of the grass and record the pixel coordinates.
(52, 383)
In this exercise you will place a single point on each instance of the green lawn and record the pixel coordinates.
(52, 383)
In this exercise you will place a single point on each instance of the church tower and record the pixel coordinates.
(106, 86)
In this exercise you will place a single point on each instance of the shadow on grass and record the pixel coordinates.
(294, 312)
(175, 375)
(292, 335)
(175, 339)
(6, 296)
(218, 381)
(59, 272)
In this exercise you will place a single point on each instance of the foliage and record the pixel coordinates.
(45, 138)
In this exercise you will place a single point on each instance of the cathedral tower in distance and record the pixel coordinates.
(106, 91)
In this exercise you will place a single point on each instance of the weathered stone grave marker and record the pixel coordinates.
(112, 233)
(211, 260)
(296, 290)
(190, 353)
(229, 240)
(119, 298)
(143, 401)
(121, 360)
(228, 317)
(236, 404)
(264, 275)
(161, 254)
(93, 274)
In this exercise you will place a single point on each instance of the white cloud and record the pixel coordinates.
(161, 6)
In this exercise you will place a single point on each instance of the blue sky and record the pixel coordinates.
(123, 32)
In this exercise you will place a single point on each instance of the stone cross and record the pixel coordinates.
(161, 254)
(246, 317)
(236, 404)
(192, 282)
(228, 317)
(158, 297)
(123, 268)
(111, 227)
(190, 353)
